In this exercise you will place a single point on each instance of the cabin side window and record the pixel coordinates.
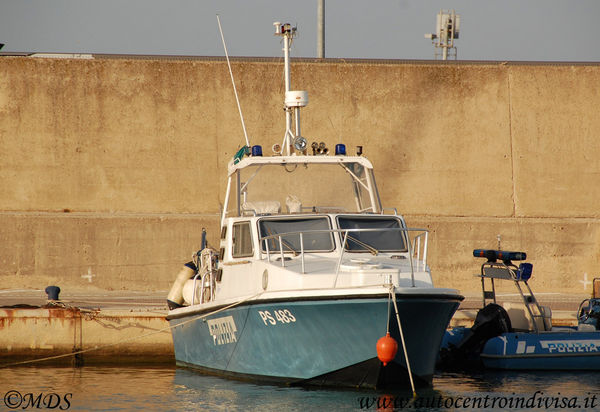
(242, 240)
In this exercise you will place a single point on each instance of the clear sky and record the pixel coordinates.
(539, 30)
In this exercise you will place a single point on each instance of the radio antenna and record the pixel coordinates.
(233, 82)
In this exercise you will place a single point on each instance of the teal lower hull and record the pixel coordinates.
(316, 342)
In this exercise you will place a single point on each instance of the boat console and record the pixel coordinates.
(527, 315)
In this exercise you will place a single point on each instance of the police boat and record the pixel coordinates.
(314, 282)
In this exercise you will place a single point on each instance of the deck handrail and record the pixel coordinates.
(420, 240)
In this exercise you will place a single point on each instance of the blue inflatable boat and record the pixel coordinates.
(520, 336)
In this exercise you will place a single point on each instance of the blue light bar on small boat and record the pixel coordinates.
(493, 255)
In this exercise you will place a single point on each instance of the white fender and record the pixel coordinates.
(175, 296)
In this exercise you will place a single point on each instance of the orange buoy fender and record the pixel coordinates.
(386, 349)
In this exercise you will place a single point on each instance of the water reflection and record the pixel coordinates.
(520, 382)
(173, 389)
(222, 394)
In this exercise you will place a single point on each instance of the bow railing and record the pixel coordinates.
(414, 246)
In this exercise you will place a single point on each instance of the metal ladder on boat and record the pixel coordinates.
(508, 271)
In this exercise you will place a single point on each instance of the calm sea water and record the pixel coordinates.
(165, 388)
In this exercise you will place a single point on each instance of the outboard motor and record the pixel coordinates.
(589, 313)
(491, 321)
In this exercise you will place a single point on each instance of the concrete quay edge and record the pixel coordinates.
(85, 327)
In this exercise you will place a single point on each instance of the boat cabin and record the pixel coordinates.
(328, 201)
(345, 239)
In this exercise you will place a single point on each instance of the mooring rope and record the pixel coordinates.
(410, 376)
(168, 328)
(389, 309)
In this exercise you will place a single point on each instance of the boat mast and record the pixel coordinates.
(294, 99)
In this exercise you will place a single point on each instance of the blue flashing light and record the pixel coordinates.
(340, 149)
(257, 150)
(493, 255)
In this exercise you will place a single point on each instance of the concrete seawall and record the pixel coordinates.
(110, 167)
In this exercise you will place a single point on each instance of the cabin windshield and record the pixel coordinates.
(311, 242)
(376, 240)
(306, 187)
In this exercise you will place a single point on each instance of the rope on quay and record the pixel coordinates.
(168, 328)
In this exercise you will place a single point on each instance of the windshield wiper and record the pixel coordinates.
(370, 248)
(283, 242)
(289, 246)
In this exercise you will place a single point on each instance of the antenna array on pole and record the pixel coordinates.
(447, 30)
